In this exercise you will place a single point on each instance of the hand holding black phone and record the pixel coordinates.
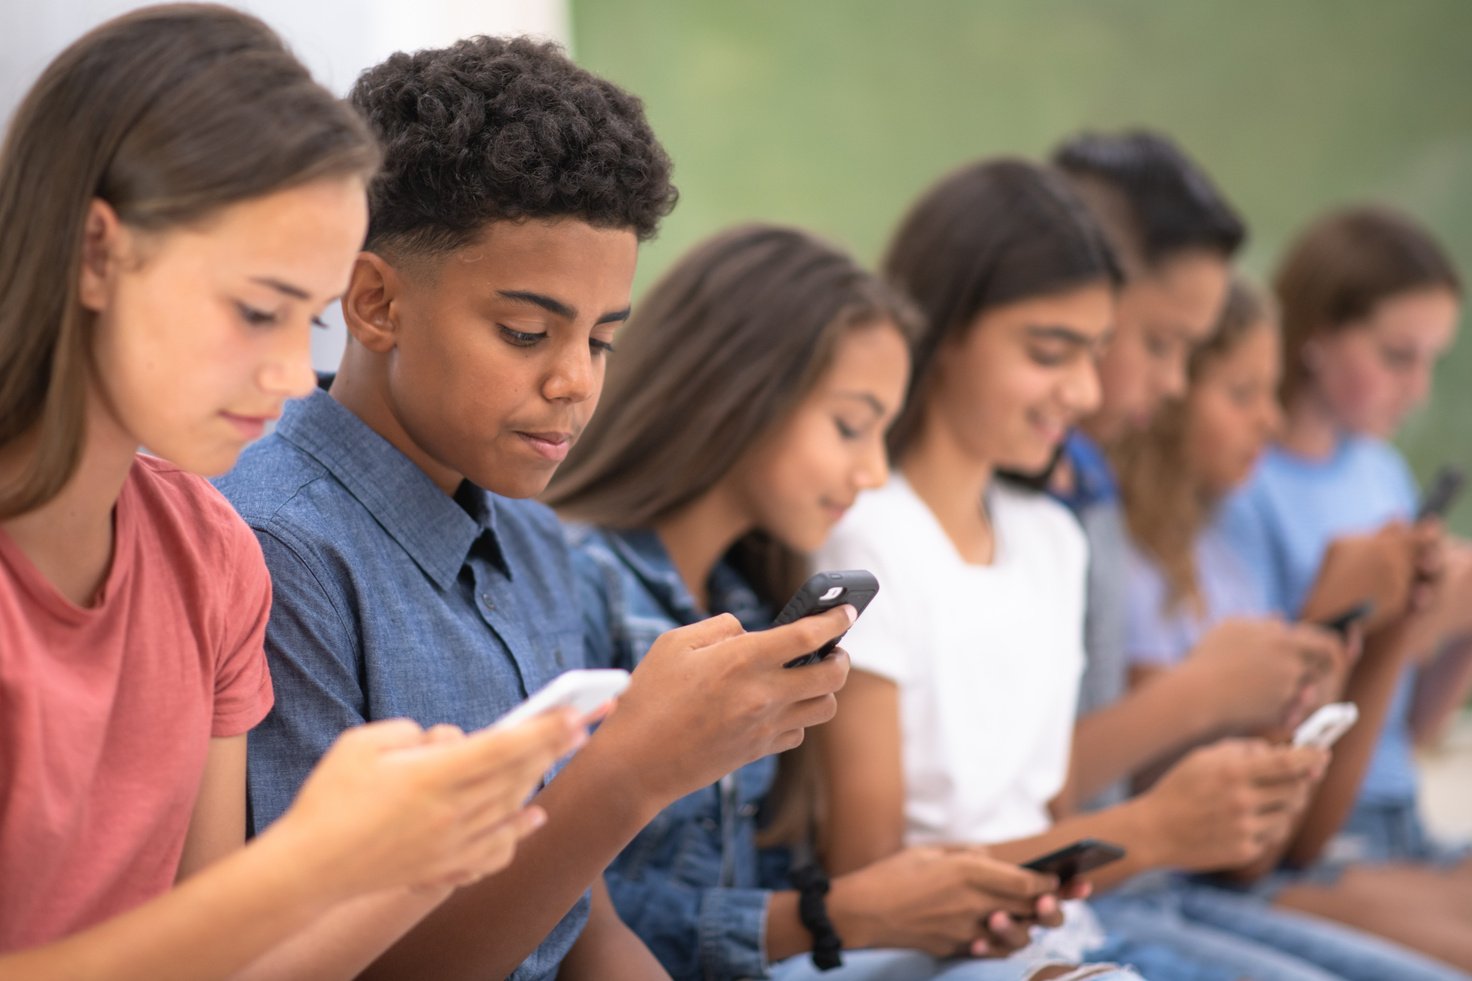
(1072, 861)
(1341, 622)
(824, 591)
(1441, 493)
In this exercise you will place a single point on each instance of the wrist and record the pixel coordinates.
(627, 789)
(1196, 698)
(302, 876)
(850, 915)
(813, 887)
(1145, 831)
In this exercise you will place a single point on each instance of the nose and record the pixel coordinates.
(1272, 418)
(573, 376)
(1172, 378)
(873, 469)
(1081, 392)
(287, 371)
(1420, 384)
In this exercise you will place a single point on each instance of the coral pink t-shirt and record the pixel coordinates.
(106, 712)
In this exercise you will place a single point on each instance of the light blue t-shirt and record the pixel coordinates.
(1282, 523)
(1161, 633)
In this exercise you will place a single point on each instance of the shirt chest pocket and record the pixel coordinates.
(554, 650)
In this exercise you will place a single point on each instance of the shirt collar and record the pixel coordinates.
(436, 530)
(645, 554)
(1093, 476)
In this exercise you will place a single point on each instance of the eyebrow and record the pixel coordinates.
(864, 397)
(557, 308)
(295, 292)
(1058, 332)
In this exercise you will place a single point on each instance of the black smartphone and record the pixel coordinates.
(1441, 493)
(1342, 621)
(824, 591)
(1072, 861)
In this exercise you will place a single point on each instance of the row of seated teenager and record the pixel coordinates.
(257, 624)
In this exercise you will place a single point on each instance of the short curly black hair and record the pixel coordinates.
(505, 129)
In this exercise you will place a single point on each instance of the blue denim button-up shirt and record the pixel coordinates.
(393, 599)
(690, 884)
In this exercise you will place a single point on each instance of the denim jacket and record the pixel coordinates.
(690, 883)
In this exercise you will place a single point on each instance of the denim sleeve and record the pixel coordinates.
(696, 933)
(597, 593)
(314, 669)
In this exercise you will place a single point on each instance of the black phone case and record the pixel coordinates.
(1341, 622)
(1441, 492)
(824, 591)
(1074, 860)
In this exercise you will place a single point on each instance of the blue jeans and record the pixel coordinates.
(912, 965)
(1250, 938)
(1390, 833)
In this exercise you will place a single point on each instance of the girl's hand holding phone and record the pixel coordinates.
(393, 805)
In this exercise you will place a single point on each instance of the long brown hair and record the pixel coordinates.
(166, 114)
(1342, 267)
(1164, 508)
(719, 352)
(991, 233)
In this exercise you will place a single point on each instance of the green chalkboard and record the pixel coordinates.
(835, 114)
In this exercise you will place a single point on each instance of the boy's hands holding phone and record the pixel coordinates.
(710, 697)
(1224, 805)
(946, 901)
(393, 805)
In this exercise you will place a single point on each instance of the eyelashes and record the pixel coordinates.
(256, 317)
(528, 339)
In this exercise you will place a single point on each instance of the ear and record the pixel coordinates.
(370, 305)
(102, 235)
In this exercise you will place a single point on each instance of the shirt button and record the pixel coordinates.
(485, 599)
(748, 810)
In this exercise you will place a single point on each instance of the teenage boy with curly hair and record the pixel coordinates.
(411, 575)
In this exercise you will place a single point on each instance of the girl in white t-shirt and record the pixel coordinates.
(956, 722)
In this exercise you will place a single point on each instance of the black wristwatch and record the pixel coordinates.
(812, 885)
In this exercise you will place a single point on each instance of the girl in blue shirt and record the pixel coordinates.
(1188, 573)
(745, 412)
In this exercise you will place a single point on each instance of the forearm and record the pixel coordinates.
(1441, 691)
(594, 807)
(607, 955)
(607, 950)
(344, 941)
(210, 926)
(1130, 825)
(1152, 723)
(1370, 687)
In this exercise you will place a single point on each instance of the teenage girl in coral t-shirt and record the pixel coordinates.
(179, 200)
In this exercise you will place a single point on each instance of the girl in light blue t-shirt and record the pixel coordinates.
(1331, 476)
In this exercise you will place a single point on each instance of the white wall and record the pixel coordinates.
(337, 39)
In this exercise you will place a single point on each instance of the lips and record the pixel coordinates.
(552, 446)
(836, 511)
(250, 427)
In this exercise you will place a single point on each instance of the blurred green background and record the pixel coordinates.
(834, 114)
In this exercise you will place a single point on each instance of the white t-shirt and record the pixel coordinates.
(987, 659)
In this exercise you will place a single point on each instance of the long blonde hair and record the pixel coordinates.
(1165, 508)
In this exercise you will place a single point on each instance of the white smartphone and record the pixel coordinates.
(584, 690)
(1326, 725)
